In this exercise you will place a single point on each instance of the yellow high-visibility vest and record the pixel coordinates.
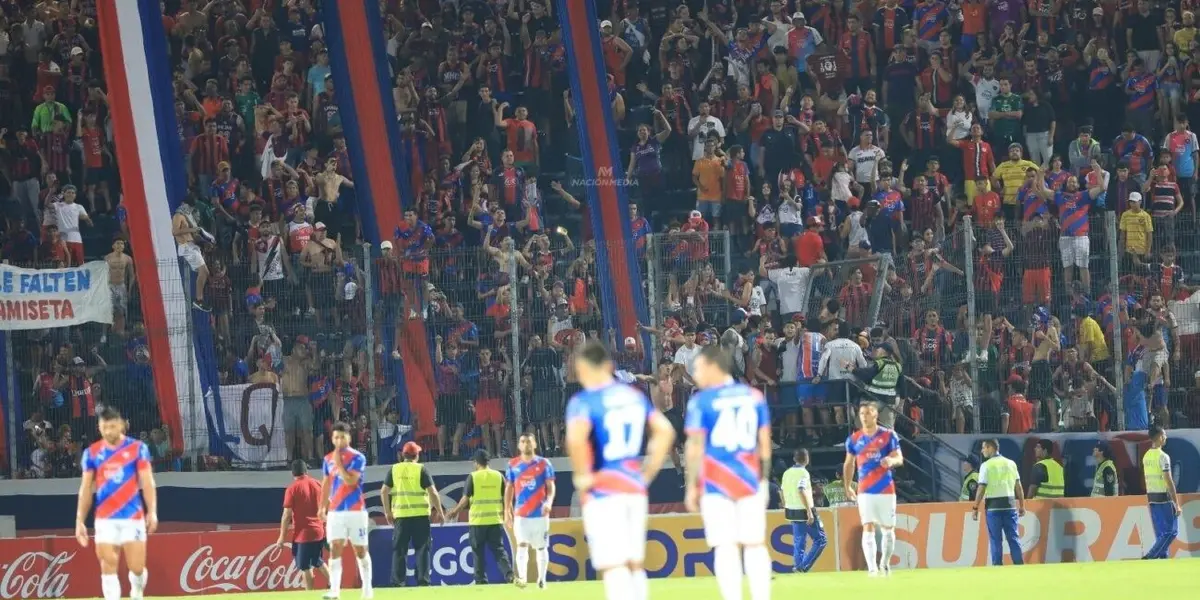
(1053, 486)
(487, 498)
(408, 497)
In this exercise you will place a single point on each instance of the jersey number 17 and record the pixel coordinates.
(625, 427)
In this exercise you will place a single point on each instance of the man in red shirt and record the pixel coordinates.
(300, 504)
(985, 204)
(810, 248)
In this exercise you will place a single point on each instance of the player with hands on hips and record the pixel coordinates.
(123, 518)
(728, 459)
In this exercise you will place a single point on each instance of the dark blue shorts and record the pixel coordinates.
(808, 394)
(307, 555)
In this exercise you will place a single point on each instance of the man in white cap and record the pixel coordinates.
(320, 259)
(1136, 231)
(616, 53)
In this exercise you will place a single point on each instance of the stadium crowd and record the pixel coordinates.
(827, 152)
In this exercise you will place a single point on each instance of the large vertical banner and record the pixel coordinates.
(361, 74)
(141, 97)
(623, 299)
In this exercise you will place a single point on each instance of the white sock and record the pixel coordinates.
(617, 583)
(728, 570)
(641, 585)
(137, 583)
(889, 546)
(543, 563)
(335, 575)
(522, 562)
(110, 586)
(757, 563)
(868, 548)
(364, 571)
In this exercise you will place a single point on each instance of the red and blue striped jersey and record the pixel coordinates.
(729, 417)
(115, 470)
(1031, 204)
(856, 49)
(930, 19)
(811, 345)
(869, 452)
(1100, 76)
(889, 22)
(529, 481)
(617, 415)
(1138, 152)
(344, 496)
(1073, 213)
(1057, 180)
(1141, 90)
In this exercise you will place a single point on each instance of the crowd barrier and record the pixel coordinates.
(928, 536)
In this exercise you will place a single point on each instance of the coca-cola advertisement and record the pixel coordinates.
(179, 563)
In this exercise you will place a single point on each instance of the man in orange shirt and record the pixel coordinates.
(1018, 414)
(986, 203)
(810, 248)
(709, 175)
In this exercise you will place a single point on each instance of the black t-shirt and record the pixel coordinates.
(1037, 119)
(1145, 31)
(426, 480)
(543, 364)
(1039, 476)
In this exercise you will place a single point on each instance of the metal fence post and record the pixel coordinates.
(652, 290)
(188, 283)
(515, 353)
(1114, 289)
(972, 336)
(881, 269)
(10, 368)
(723, 235)
(368, 292)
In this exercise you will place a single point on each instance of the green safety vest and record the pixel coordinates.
(1053, 486)
(965, 494)
(1002, 481)
(835, 492)
(408, 497)
(487, 498)
(793, 479)
(885, 380)
(1098, 480)
(1156, 479)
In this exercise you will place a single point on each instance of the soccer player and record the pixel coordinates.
(729, 453)
(1160, 494)
(528, 498)
(875, 451)
(342, 501)
(122, 520)
(301, 501)
(607, 424)
(1000, 490)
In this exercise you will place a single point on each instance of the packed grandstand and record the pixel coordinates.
(985, 192)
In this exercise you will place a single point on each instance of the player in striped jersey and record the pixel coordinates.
(728, 456)
(114, 470)
(606, 427)
(343, 503)
(875, 451)
(527, 501)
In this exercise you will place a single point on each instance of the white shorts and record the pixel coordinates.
(118, 532)
(532, 531)
(1075, 250)
(192, 254)
(879, 509)
(348, 525)
(615, 527)
(728, 521)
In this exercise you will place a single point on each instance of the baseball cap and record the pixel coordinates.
(630, 341)
(410, 449)
(780, 113)
(1098, 11)
(1014, 378)
(302, 340)
(385, 245)
(813, 221)
(76, 51)
(319, 226)
(1014, 145)
(695, 214)
(1135, 197)
(78, 362)
(605, 23)
(798, 15)
(221, 166)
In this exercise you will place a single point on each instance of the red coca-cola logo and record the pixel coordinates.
(36, 575)
(207, 571)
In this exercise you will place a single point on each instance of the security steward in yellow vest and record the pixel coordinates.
(484, 493)
(798, 507)
(1161, 495)
(1047, 480)
(881, 377)
(970, 484)
(413, 498)
(1105, 482)
(1002, 502)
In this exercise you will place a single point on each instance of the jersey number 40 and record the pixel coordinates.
(736, 427)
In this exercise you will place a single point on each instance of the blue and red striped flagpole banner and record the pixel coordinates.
(361, 76)
(142, 102)
(624, 300)
(9, 401)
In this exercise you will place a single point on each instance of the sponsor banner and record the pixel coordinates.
(944, 534)
(45, 298)
(179, 563)
(49, 505)
(1074, 451)
(250, 425)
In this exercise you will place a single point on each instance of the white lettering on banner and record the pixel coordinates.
(23, 579)
(204, 572)
(447, 561)
(45, 298)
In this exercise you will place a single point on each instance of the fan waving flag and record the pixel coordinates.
(145, 132)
